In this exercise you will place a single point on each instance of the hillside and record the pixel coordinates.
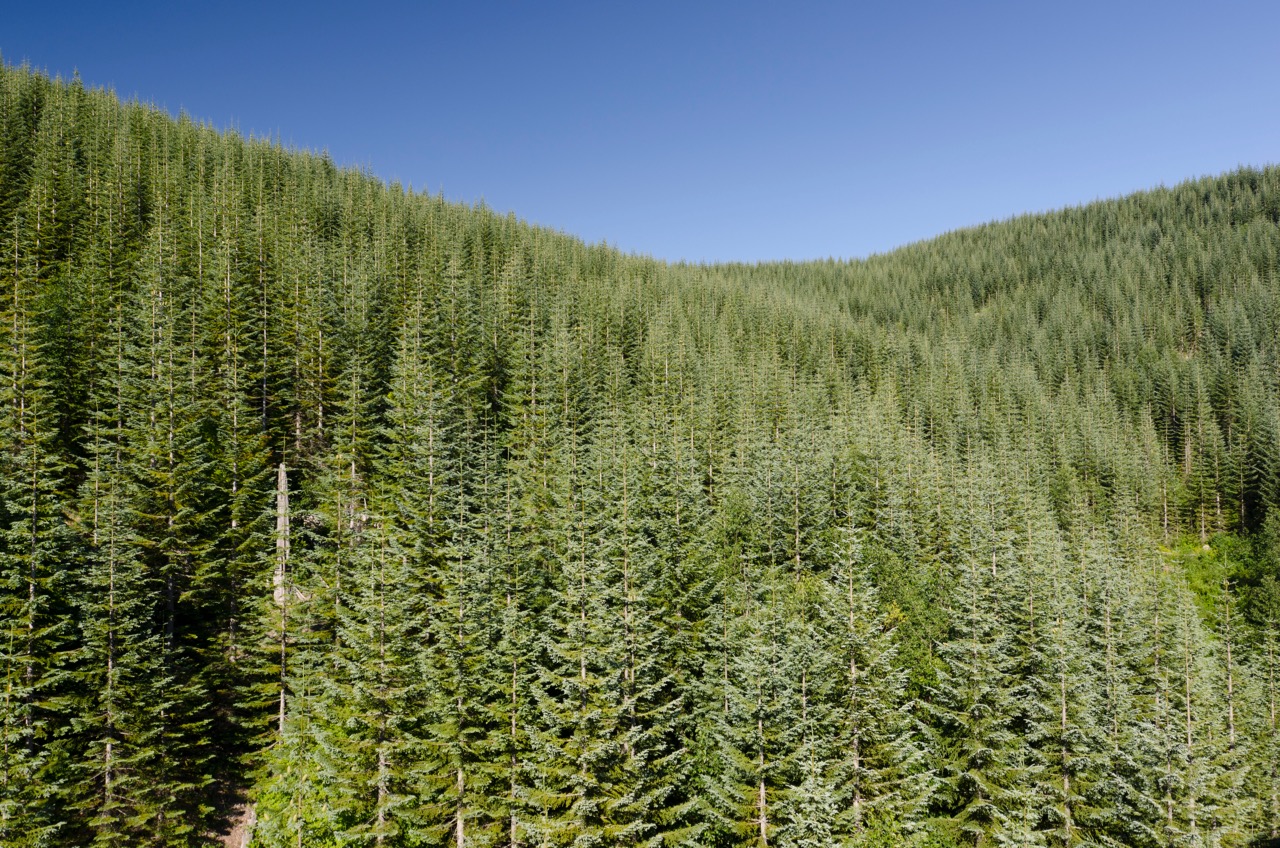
(403, 523)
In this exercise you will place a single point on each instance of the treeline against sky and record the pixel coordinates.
(364, 518)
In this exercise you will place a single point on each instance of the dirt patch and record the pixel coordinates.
(239, 827)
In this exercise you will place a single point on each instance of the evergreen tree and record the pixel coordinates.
(878, 762)
(564, 547)
(980, 756)
(34, 543)
(1266, 776)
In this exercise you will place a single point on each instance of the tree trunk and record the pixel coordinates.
(279, 590)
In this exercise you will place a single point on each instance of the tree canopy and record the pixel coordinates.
(347, 515)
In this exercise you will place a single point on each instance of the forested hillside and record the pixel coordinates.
(365, 518)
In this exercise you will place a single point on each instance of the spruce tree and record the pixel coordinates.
(35, 586)
(877, 760)
(979, 755)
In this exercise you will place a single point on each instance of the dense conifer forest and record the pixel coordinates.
(339, 514)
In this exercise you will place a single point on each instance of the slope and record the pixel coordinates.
(411, 524)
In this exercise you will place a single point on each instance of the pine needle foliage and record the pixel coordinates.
(345, 515)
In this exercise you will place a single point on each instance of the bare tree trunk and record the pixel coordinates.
(382, 795)
(764, 819)
(1273, 728)
(459, 835)
(1186, 680)
(279, 590)
(761, 803)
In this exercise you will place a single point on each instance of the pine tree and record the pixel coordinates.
(560, 548)
(753, 761)
(324, 782)
(1057, 691)
(1121, 807)
(668, 590)
(877, 759)
(589, 749)
(980, 756)
(144, 711)
(34, 543)
(1266, 769)
(164, 467)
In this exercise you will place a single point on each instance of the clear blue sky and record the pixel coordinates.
(711, 131)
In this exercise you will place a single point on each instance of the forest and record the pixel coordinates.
(333, 513)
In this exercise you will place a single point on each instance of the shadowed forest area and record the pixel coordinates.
(379, 520)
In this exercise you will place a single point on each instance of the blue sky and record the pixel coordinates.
(711, 131)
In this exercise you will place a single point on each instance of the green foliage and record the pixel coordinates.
(971, 543)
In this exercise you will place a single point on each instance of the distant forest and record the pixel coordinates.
(336, 514)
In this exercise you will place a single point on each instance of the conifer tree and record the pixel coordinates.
(753, 761)
(34, 543)
(589, 752)
(562, 545)
(980, 755)
(164, 469)
(877, 762)
(1266, 776)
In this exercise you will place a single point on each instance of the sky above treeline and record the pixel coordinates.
(716, 131)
